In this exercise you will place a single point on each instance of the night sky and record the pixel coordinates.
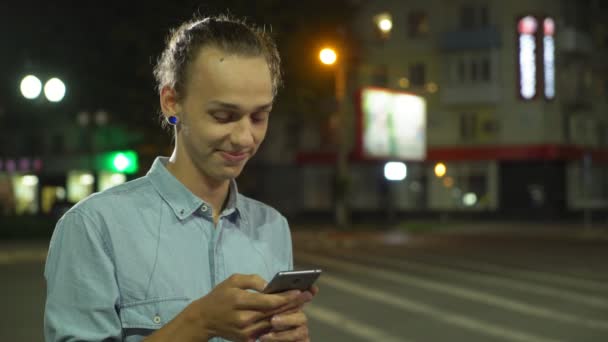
(105, 51)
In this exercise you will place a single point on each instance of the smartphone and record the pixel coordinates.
(292, 280)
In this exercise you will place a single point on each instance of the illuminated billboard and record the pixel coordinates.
(392, 125)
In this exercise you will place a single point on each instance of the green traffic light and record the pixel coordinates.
(119, 161)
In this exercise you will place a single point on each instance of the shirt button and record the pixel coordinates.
(157, 319)
(204, 208)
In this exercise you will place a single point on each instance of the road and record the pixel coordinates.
(395, 287)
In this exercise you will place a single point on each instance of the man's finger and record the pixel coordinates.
(262, 302)
(247, 282)
(288, 320)
(294, 335)
(258, 329)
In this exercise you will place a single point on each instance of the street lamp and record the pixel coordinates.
(384, 23)
(30, 87)
(54, 90)
(329, 56)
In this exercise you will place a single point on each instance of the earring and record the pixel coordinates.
(172, 120)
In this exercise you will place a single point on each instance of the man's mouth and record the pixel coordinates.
(234, 157)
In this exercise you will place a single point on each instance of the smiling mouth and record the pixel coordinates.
(234, 157)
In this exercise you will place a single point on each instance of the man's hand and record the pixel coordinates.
(232, 312)
(291, 324)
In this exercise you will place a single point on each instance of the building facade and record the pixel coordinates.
(516, 106)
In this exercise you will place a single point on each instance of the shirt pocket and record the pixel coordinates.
(151, 313)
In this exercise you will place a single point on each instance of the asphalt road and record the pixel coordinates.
(393, 287)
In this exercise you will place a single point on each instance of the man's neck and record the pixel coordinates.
(210, 190)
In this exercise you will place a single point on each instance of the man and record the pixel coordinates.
(180, 255)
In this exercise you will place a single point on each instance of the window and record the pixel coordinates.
(474, 17)
(417, 74)
(485, 69)
(418, 24)
(462, 69)
(474, 70)
(468, 126)
(484, 20)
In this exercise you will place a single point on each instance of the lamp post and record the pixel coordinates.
(329, 56)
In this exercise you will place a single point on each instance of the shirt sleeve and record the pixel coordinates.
(82, 292)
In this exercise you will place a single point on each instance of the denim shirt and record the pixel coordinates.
(124, 262)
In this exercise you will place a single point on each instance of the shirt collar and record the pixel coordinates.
(181, 200)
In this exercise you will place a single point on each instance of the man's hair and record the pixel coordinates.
(226, 33)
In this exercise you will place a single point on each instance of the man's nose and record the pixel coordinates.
(242, 134)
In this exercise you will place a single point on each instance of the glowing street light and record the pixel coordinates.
(384, 22)
(54, 90)
(385, 25)
(440, 170)
(30, 87)
(328, 56)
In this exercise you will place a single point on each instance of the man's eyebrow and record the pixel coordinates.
(234, 107)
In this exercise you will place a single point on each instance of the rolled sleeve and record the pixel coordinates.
(82, 292)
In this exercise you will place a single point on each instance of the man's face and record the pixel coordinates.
(224, 114)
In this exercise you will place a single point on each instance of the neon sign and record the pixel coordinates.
(536, 63)
(549, 57)
(527, 28)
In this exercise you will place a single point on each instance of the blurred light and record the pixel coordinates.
(432, 87)
(440, 170)
(37, 164)
(60, 193)
(384, 22)
(549, 57)
(83, 118)
(328, 56)
(527, 28)
(119, 161)
(395, 171)
(24, 164)
(385, 25)
(54, 90)
(404, 82)
(29, 180)
(87, 179)
(31, 87)
(469, 199)
(11, 166)
(101, 117)
(448, 182)
(118, 178)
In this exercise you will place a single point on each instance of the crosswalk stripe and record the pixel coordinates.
(455, 319)
(526, 274)
(460, 292)
(350, 326)
(589, 300)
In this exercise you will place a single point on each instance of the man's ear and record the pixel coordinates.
(169, 103)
